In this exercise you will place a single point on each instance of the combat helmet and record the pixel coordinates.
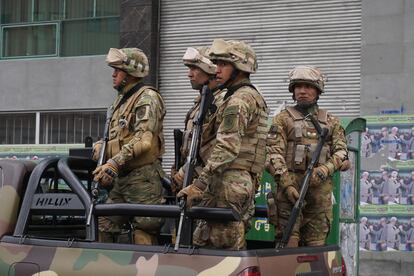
(199, 57)
(131, 60)
(240, 54)
(307, 74)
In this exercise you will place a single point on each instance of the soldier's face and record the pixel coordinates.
(197, 77)
(223, 71)
(305, 93)
(117, 77)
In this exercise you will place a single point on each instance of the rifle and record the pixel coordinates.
(178, 142)
(185, 222)
(305, 185)
(99, 195)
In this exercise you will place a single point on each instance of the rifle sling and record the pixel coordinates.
(231, 90)
(315, 122)
(128, 95)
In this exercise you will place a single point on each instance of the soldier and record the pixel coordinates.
(237, 160)
(136, 143)
(201, 71)
(290, 144)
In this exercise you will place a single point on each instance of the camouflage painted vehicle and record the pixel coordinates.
(44, 231)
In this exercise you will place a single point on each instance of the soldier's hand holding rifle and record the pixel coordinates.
(106, 173)
(192, 193)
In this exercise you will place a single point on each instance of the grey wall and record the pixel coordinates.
(55, 83)
(386, 263)
(387, 56)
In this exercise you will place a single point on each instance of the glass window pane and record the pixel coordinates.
(70, 127)
(78, 9)
(29, 40)
(89, 37)
(17, 128)
(107, 7)
(16, 11)
(46, 10)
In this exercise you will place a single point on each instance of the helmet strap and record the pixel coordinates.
(122, 85)
(233, 76)
(307, 105)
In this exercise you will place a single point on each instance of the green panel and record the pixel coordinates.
(89, 37)
(27, 41)
(107, 8)
(16, 11)
(79, 9)
(47, 10)
(333, 237)
(261, 229)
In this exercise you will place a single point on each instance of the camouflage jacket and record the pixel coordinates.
(238, 130)
(136, 130)
(283, 145)
(191, 114)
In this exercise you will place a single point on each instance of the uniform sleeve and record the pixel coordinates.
(276, 146)
(148, 116)
(236, 116)
(339, 150)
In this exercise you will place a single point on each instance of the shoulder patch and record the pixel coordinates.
(231, 109)
(142, 112)
(230, 119)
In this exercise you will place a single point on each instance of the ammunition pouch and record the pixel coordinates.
(271, 208)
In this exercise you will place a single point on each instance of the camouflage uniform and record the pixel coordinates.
(209, 68)
(136, 144)
(232, 171)
(290, 145)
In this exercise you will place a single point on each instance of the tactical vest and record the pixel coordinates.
(122, 131)
(187, 133)
(302, 139)
(252, 155)
(204, 151)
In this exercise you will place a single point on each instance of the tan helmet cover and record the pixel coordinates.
(131, 60)
(307, 74)
(240, 54)
(199, 57)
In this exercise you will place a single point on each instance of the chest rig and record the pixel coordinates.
(122, 126)
(302, 138)
(252, 153)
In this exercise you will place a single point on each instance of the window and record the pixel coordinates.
(16, 11)
(34, 40)
(107, 8)
(88, 37)
(37, 28)
(47, 10)
(17, 128)
(71, 127)
(79, 8)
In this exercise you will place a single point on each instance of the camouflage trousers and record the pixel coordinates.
(315, 219)
(141, 186)
(232, 189)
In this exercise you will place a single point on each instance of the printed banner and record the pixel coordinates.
(387, 184)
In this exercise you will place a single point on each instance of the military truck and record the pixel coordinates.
(45, 230)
